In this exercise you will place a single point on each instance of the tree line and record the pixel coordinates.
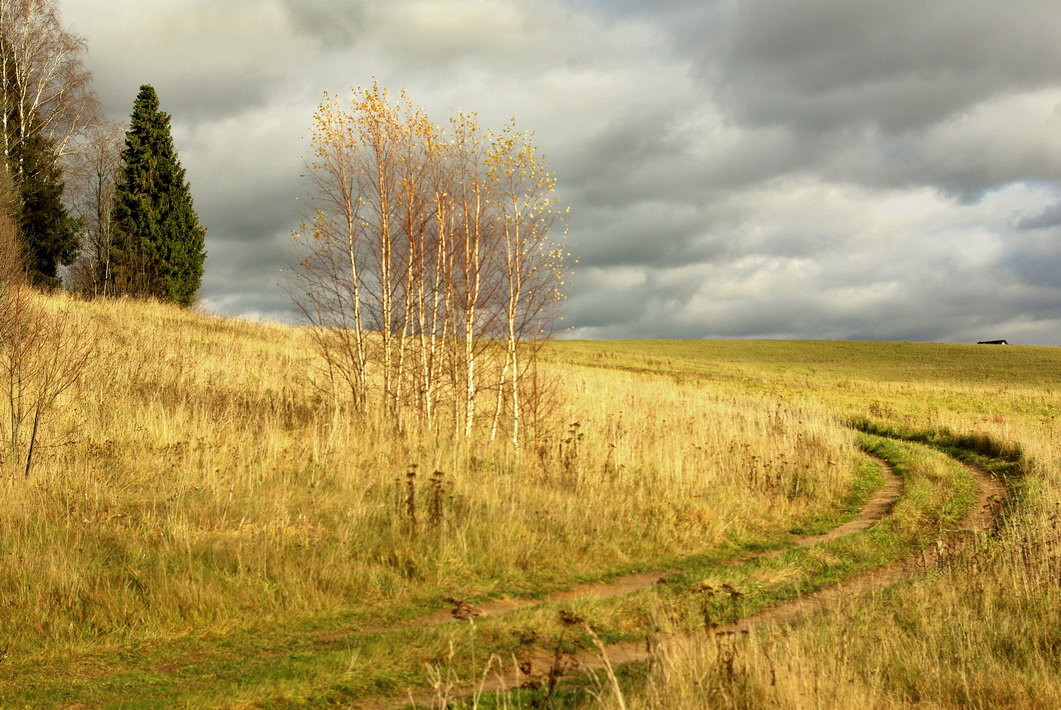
(113, 206)
(429, 277)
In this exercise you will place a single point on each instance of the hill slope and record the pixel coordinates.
(202, 510)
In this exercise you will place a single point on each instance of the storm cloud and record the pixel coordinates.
(820, 169)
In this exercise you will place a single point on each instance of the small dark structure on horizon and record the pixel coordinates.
(993, 342)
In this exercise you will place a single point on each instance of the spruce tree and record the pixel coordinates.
(158, 245)
(49, 235)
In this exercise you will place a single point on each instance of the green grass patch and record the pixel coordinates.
(868, 479)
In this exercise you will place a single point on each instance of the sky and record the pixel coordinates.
(819, 169)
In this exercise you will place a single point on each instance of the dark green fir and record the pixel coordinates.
(158, 245)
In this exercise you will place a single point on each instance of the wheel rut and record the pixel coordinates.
(982, 518)
(879, 504)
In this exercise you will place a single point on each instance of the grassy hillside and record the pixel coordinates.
(204, 528)
(198, 484)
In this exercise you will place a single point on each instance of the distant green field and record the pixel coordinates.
(819, 359)
(891, 378)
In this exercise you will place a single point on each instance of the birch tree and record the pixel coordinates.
(46, 89)
(46, 102)
(532, 270)
(428, 265)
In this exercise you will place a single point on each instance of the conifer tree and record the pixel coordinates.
(48, 233)
(158, 244)
(46, 102)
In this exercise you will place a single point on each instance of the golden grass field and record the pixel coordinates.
(985, 631)
(203, 529)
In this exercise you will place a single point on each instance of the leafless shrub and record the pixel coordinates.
(91, 176)
(42, 355)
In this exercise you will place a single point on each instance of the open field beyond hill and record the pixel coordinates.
(982, 632)
(204, 529)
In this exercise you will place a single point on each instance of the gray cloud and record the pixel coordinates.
(821, 65)
(885, 169)
(876, 83)
(1037, 261)
(333, 23)
(1050, 217)
(193, 97)
(207, 59)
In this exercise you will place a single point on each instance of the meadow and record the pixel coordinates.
(982, 631)
(205, 528)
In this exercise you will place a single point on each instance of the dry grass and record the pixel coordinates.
(198, 482)
(982, 632)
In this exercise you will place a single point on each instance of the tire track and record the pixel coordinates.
(879, 504)
(983, 518)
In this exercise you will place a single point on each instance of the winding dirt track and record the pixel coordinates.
(982, 518)
(878, 505)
